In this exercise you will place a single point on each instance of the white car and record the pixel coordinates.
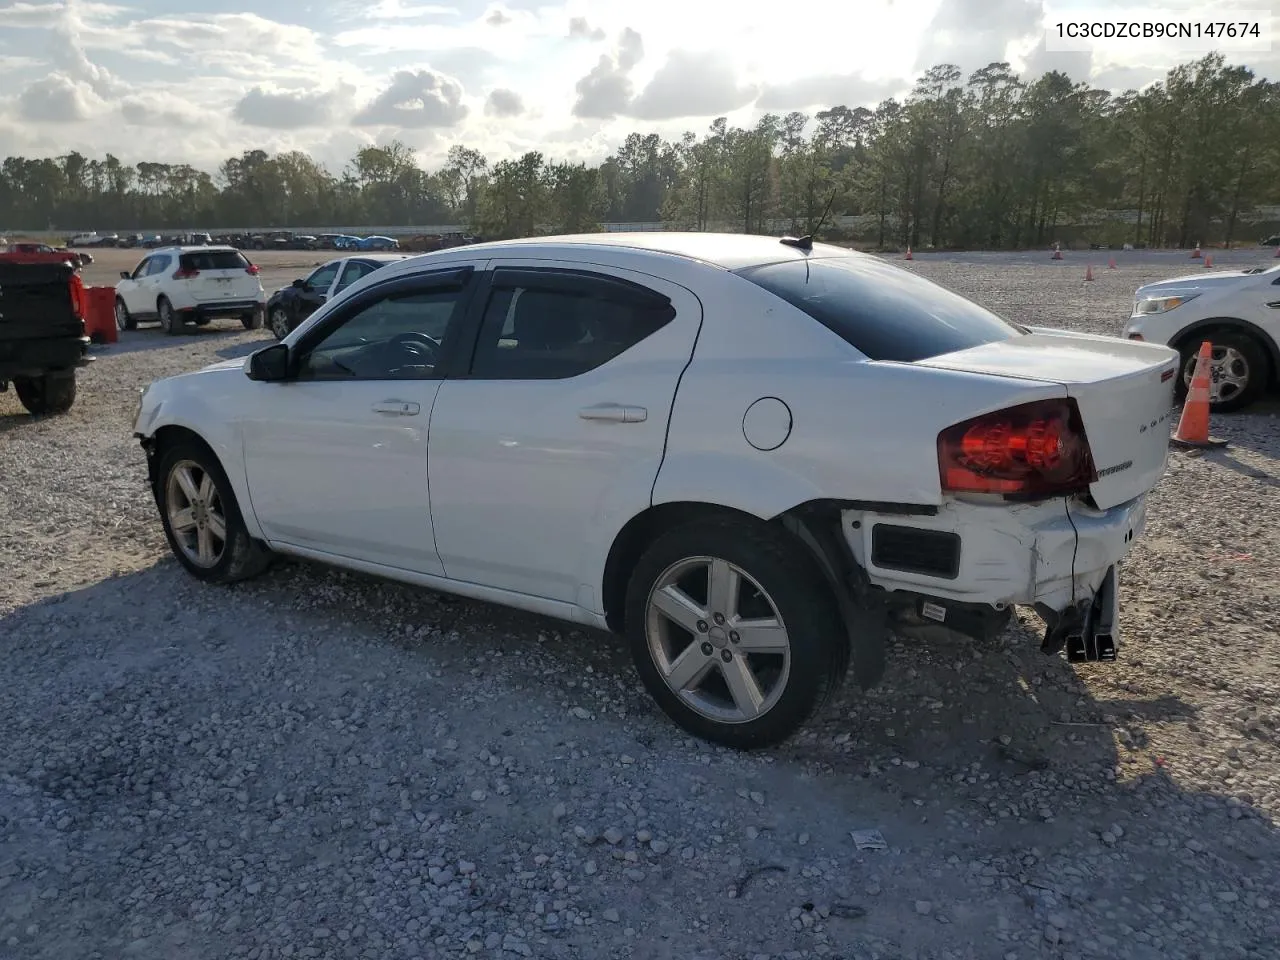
(1238, 311)
(176, 285)
(749, 456)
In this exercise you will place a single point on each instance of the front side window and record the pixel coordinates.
(885, 312)
(564, 327)
(158, 264)
(142, 269)
(397, 337)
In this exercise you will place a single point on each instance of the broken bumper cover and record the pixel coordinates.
(1055, 555)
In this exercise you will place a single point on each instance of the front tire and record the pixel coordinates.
(124, 321)
(279, 323)
(1239, 372)
(201, 518)
(50, 394)
(734, 632)
(169, 321)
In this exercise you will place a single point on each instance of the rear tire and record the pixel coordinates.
(252, 321)
(1245, 363)
(169, 321)
(749, 687)
(201, 518)
(51, 394)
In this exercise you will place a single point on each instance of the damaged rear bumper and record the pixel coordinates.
(967, 565)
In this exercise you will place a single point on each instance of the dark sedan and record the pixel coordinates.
(289, 306)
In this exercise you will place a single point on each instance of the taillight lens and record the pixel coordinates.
(186, 273)
(251, 269)
(1032, 450)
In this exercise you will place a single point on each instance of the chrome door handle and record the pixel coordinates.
(614, 413)
(399, 408)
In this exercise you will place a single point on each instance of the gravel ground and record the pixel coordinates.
(316, 764)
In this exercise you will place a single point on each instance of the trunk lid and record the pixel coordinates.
(1123, 388)
(222, 276)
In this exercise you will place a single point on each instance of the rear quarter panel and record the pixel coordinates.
(861, 430)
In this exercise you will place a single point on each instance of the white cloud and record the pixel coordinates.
(605, 91)
(415, 99)
(278, 109)
(692, 84)
(57, 98)
(504, 103)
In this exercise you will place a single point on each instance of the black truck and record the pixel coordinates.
(42, 338)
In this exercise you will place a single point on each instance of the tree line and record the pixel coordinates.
(989, 160)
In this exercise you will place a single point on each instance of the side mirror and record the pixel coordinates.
(270, 364)
(124, 274)
(299, 284)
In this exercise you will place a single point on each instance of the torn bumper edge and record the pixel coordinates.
(1054, 554)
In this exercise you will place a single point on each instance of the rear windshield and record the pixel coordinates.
(885, 312)
(214, 260)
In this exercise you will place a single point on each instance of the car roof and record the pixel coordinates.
(729, 251)
(195, 248)
(378, 257)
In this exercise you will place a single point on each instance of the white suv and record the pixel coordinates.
(175, 285)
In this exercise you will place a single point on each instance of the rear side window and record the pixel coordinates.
(214, 260)
(883, 311)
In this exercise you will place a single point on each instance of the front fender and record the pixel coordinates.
(222, 434)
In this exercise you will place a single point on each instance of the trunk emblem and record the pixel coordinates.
(1116, 469)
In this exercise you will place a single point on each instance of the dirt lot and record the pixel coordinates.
(319, 765)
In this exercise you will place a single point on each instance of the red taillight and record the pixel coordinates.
(1032, 450)
(252, 269)
(186, 273)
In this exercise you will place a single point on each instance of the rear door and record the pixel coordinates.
(353, 271)
(219, 275)
(553, 438)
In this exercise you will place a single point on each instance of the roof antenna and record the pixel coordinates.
(806, 242)
(800, 243)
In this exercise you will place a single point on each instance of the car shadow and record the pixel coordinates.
(153, 338)
(1011, 796)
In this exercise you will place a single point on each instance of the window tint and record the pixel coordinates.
(884, 311)
(398, 337)
(320, 279)
(564, 328)
(353, 271)
(142, 269)
(158, 265)
(214, 260)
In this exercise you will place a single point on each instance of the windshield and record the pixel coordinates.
(887, 313)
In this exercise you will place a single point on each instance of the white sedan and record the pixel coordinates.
(1238, 311)
(751, 456)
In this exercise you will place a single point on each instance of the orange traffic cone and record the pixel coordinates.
(1195, 254)
(908, 256)
(1088, 272)
(1193, 426)
(1057, 252)
(1208, 261)
(1111, 264)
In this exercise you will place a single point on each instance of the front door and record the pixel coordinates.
(336, 456)
(554, 437)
